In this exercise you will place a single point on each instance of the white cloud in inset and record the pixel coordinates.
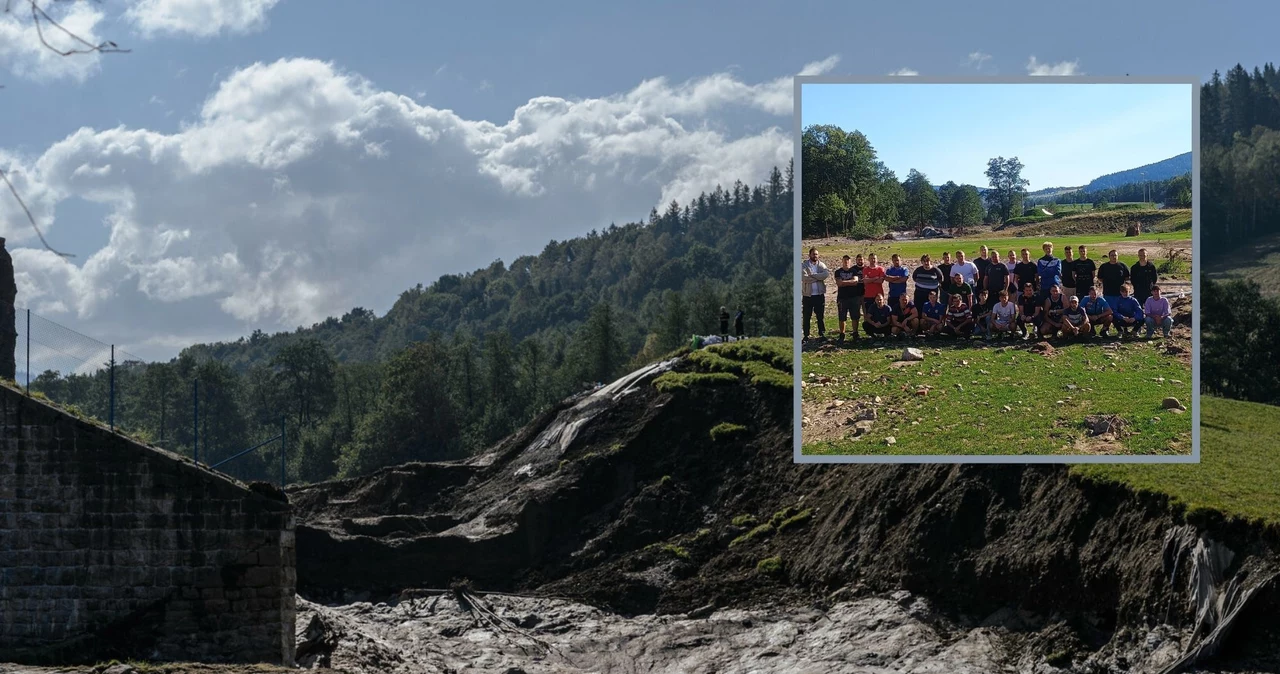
(199, 18)
(1061, 69)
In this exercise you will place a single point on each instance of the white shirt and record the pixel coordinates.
(1004, 313)
(816, 271)
(967, 271)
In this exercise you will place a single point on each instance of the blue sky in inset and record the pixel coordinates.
(1064, 134)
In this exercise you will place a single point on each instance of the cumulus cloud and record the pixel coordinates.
(199, 18)
(299, 191)
(1061, 68)
(23, 55)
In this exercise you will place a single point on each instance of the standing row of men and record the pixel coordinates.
(859, 284)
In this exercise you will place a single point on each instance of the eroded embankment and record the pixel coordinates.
(627, 500)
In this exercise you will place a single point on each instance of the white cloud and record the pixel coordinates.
(300, 191)
(1062, 68)
(23, 55)
(978, 59)
(199, 18)
(905, 72)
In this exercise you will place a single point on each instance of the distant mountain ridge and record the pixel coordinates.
(1161, 170)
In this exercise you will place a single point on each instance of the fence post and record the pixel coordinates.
(28, 351)
(282, 446)
(195, 420)
(111, 412)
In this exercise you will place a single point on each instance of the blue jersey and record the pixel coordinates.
(934, 309)
(1129, 307)
(1050, 270)
(1095, 306)
(896, 289)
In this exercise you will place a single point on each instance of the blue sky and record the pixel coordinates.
(262, 164)
(1064, 134)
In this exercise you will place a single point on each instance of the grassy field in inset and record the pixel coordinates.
(1258, 262)
(1009, 400)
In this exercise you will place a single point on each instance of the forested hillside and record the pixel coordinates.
(1156, 172)
(1239, 158)
(458, 364)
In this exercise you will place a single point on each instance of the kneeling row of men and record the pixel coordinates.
(1049, 317)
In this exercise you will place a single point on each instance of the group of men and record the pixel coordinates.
(1047, 297)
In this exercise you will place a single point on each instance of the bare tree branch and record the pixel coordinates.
(30, 218)
(37, 16)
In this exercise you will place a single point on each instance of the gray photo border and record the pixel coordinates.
(1192, 81)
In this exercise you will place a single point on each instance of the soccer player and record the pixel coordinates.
(1075, 322)
(848, 297)
(1049, 270)
(1051, 320)
(927, 278)
(957, 286)
(876, 319)
(997, 281)
(813, 274)
(1113, 273)
(1026, 271)
(945, 267)
(904, 319)
(1158, 312)
(932, 314)
(1099, 312)
(872, 282)
(1142, 275)
(1128, 312)
(959, 321)
(1086, 269)
(981, 311)
(897, 276)
(1068, 274)
(1003, 315)
(968, 270)
(1011, 264)
(1029, 310)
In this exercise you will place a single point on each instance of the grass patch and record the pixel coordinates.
(763, 531)
(765, 361)
(794, 520)
(745, 521)
(726, 430)
(1003, 400)
(1239, 464)
(770, 565)
(669, 548)
(670, 381)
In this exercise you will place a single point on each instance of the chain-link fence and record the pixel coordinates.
(192, 406)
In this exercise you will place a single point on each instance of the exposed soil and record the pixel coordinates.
(622, 501)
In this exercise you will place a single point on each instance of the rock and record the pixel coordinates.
(1104, 424)
(922, 391)
(862, 428)
(867, 414)
(890, 440)
(1007, 408)
(1072, 387)
(915, 423)
(804, 421)
(1178, 410)
(910, 353)
(1172, 403)
(877, 400)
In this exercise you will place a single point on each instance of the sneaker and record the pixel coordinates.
(840, 339)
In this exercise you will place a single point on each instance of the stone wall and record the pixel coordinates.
(111, 549)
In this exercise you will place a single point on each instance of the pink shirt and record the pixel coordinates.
(1156, 307)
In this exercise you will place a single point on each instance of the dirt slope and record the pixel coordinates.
(622, 500)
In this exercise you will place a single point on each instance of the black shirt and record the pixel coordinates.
(997, 279)
(852, 292)
(1055, 307)
(1143, 276)
(983, 264)
(1069, 272)
(1026, 273)
(901, 313)
(1085, 271)
(1029, 305)
(877, 314)
(1113, 275)
(945, 268)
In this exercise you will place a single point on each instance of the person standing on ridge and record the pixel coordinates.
(737, 324)
(724, 322)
